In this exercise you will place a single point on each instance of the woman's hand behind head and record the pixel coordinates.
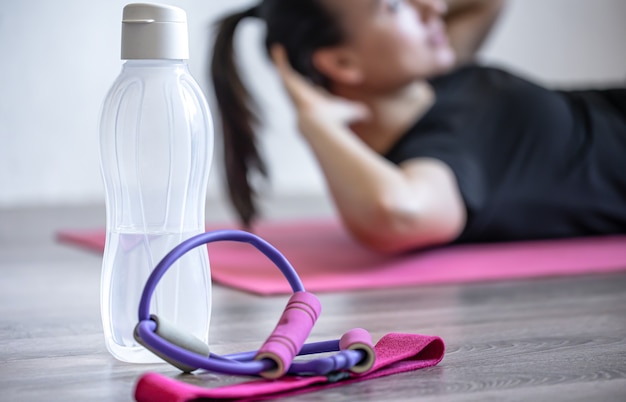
(315, 106)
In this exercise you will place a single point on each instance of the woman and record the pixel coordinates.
(418, 146)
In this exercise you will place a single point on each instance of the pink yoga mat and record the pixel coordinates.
(328, 260)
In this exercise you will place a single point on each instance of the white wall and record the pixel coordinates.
(60, 57)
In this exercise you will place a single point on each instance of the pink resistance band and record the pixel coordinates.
(395, 353)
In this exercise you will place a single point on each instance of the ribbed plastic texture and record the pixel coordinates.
(156, 147)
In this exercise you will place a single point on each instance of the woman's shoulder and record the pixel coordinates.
(472, 73)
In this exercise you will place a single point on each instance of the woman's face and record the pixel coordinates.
(396, 41)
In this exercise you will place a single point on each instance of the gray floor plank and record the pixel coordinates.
(553, 339)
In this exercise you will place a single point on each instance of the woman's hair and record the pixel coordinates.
(301, 27)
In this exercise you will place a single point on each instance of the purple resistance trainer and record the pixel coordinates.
(276, 357)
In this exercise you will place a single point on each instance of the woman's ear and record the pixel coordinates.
(339, 65)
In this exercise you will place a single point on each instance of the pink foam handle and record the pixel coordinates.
(359, 339)
(290, 333)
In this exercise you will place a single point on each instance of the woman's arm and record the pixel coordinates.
(469, 23)
(386, 207)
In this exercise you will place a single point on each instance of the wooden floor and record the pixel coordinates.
(535, 340)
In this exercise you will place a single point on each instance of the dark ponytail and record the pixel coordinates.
(301, 26)
(238, 116)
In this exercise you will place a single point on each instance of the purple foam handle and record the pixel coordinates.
(359, 339)
(290, 333)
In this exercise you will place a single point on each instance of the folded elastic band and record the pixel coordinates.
(395, 353)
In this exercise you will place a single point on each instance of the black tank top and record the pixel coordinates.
(531, 163)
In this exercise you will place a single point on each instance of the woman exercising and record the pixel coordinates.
(418, 146)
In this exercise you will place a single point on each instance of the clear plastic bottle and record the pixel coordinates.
(156, 144)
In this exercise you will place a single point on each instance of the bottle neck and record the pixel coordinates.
(154, 66)
(146, 63)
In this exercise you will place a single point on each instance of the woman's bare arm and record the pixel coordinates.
(469, 23)
(386, 207)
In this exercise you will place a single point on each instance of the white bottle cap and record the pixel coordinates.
(154, 31)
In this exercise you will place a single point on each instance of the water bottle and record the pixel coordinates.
(156, 144)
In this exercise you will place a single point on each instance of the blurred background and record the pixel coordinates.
(59, 59)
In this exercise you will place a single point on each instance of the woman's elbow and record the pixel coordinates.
(393, 230)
